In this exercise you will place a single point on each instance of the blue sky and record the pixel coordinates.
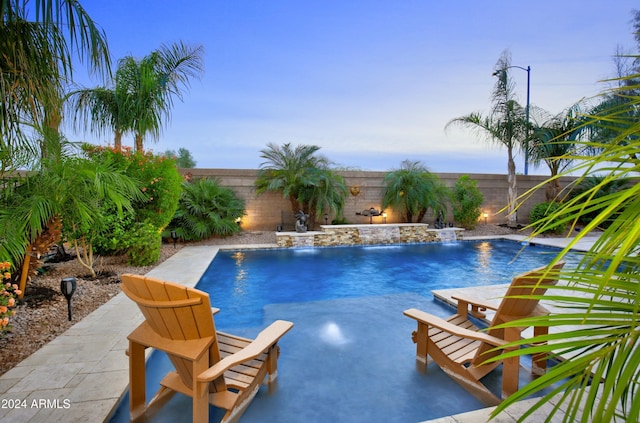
(370, 82)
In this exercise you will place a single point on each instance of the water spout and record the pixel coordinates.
(447, 235)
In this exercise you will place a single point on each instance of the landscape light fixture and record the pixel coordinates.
(384, 217)
(486, 216)
(326, 218)
(174, 237)
(68, 287)
(526, 145)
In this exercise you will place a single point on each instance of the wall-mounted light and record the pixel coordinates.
(68, 287)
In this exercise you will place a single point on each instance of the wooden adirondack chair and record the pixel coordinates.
(211, 367)
(460, 349)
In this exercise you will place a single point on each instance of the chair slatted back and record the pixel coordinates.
(176, 313)
(527, 286)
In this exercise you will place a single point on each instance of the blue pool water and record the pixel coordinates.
(349, 357)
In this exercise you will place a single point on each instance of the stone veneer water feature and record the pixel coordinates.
(385, 233)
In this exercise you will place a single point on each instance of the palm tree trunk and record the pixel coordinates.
(117, 141)
(139, 147)
(512, 191)
(295, 206)
(553, 187)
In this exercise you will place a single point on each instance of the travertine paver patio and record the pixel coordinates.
(81, 375)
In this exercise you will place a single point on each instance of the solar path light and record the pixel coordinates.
(68, 287)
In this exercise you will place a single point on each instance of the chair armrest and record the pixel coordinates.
(263, 341)
(477, 302)
(437, 322)
(478, 306)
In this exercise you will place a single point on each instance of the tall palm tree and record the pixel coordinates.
(150, 85)
(505, 124)
(601, 380)
(142, 94)
(412, 190)
(38, 41)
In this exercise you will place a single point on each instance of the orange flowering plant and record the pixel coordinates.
(8, 293)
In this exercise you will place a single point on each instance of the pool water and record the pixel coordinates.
(349, 357)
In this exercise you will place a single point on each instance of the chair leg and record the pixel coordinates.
(137, 381)
(200, 391)
(539, 361)
(272, 363)
(510, 366)
(420, 338)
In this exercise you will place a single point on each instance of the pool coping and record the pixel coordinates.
(83, 373)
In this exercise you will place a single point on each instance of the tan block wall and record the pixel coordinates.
(264, 211)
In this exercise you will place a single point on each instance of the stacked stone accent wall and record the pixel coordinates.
(264, 211)
(336, 235)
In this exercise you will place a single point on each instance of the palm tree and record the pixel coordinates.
(149, 85)
(288, 170)
(412, 190)
(601, 380)
(506, 124)
(303, 177)
(326, 193)
(554, 143)
(142, 94)
(101, 110)
(66, 189)
(38, 41)
(206, 209)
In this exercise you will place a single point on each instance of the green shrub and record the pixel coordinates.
(112, 236)
(143, 246)
(466, 200)
(541, 211)
(159, 181)
(206, 209)
(161, 185)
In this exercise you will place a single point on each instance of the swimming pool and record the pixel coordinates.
(349, 357)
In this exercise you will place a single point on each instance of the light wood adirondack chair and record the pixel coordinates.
(460, 349)
(211, 367)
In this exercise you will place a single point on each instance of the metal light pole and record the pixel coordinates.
(526, 145)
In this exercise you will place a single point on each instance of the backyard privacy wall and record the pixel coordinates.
(265, 212)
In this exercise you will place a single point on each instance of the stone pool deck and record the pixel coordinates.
(81, 375)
